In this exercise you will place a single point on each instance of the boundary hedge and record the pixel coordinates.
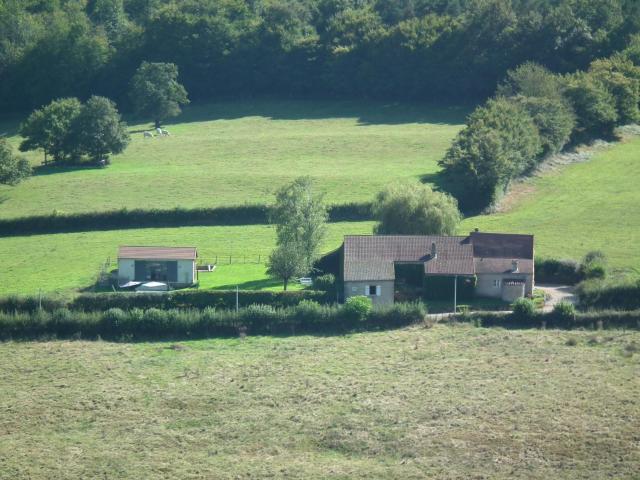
(183, 299)
(177, 217)
(591, 320)
(153, 324)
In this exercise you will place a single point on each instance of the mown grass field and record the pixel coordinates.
(446, 403)
(241, 152)
(68, 261)
(588, 206)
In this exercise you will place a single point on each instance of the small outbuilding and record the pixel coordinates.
(175, 266)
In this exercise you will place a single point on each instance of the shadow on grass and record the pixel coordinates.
(367, 113)
(261, 284)
(53, 169)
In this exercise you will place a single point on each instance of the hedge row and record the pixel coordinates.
(551, 270)
(153, 323)
(601, 294)
(178, 217)
(183, 299)
(591, 320)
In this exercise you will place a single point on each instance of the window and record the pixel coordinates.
(373, 290)
(496, 283)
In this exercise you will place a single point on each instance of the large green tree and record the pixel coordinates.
(415, 209)
(48, 128)
(500, 142)
(156, 92)
(98, 131)
(12, 168)
(300, 216)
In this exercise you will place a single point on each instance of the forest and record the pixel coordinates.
(428, 50)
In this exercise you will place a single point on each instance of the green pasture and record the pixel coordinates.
(240, 152)
(450, 402)
(587, 206)
(70, 261)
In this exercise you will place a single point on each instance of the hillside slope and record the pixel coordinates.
(581, 207)
(240, 152)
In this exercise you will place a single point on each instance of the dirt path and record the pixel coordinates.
(556, 294)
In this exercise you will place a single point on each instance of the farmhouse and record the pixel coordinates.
(493, 264)
(175, 266)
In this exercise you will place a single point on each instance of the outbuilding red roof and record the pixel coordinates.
(157, 253)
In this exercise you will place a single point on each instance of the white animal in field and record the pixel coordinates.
(165, 133)
(148, 135)
(159, 131)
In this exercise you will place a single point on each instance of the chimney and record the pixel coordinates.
(434, 253)
(514, 266)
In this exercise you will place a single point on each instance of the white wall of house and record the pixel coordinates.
(186, 271)
(126, 270)
(490, 284)
(384, 290)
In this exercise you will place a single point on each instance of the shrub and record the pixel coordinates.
(325, 283)
(523, 309)
(358, 307)
(594, 265)
(563, 314)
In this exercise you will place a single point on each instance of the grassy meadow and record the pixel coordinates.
(68, 261)
(232, 153)
(241, 152)
(447, 402)
(593, 205)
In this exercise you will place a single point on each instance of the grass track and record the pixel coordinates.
(444, 403)
(241, 152)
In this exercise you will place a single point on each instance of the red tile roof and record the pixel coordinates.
(372, 257)
(157, 253)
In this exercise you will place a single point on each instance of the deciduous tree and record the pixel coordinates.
(155, 91)
(415, 209)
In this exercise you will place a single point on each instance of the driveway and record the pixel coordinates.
(556, 294)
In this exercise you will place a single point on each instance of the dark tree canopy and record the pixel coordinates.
(418, 49)
(12, 168)
(73, 132)
(155, 91)
(48, 128)
(98, 131)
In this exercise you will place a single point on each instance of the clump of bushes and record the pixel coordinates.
(597, 293)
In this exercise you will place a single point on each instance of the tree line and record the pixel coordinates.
(534, 114)
(418, 49)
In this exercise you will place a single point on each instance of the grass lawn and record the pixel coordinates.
(446, 403)
(68, 261)
(246, 276)
(242, 151)
(588, 206)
